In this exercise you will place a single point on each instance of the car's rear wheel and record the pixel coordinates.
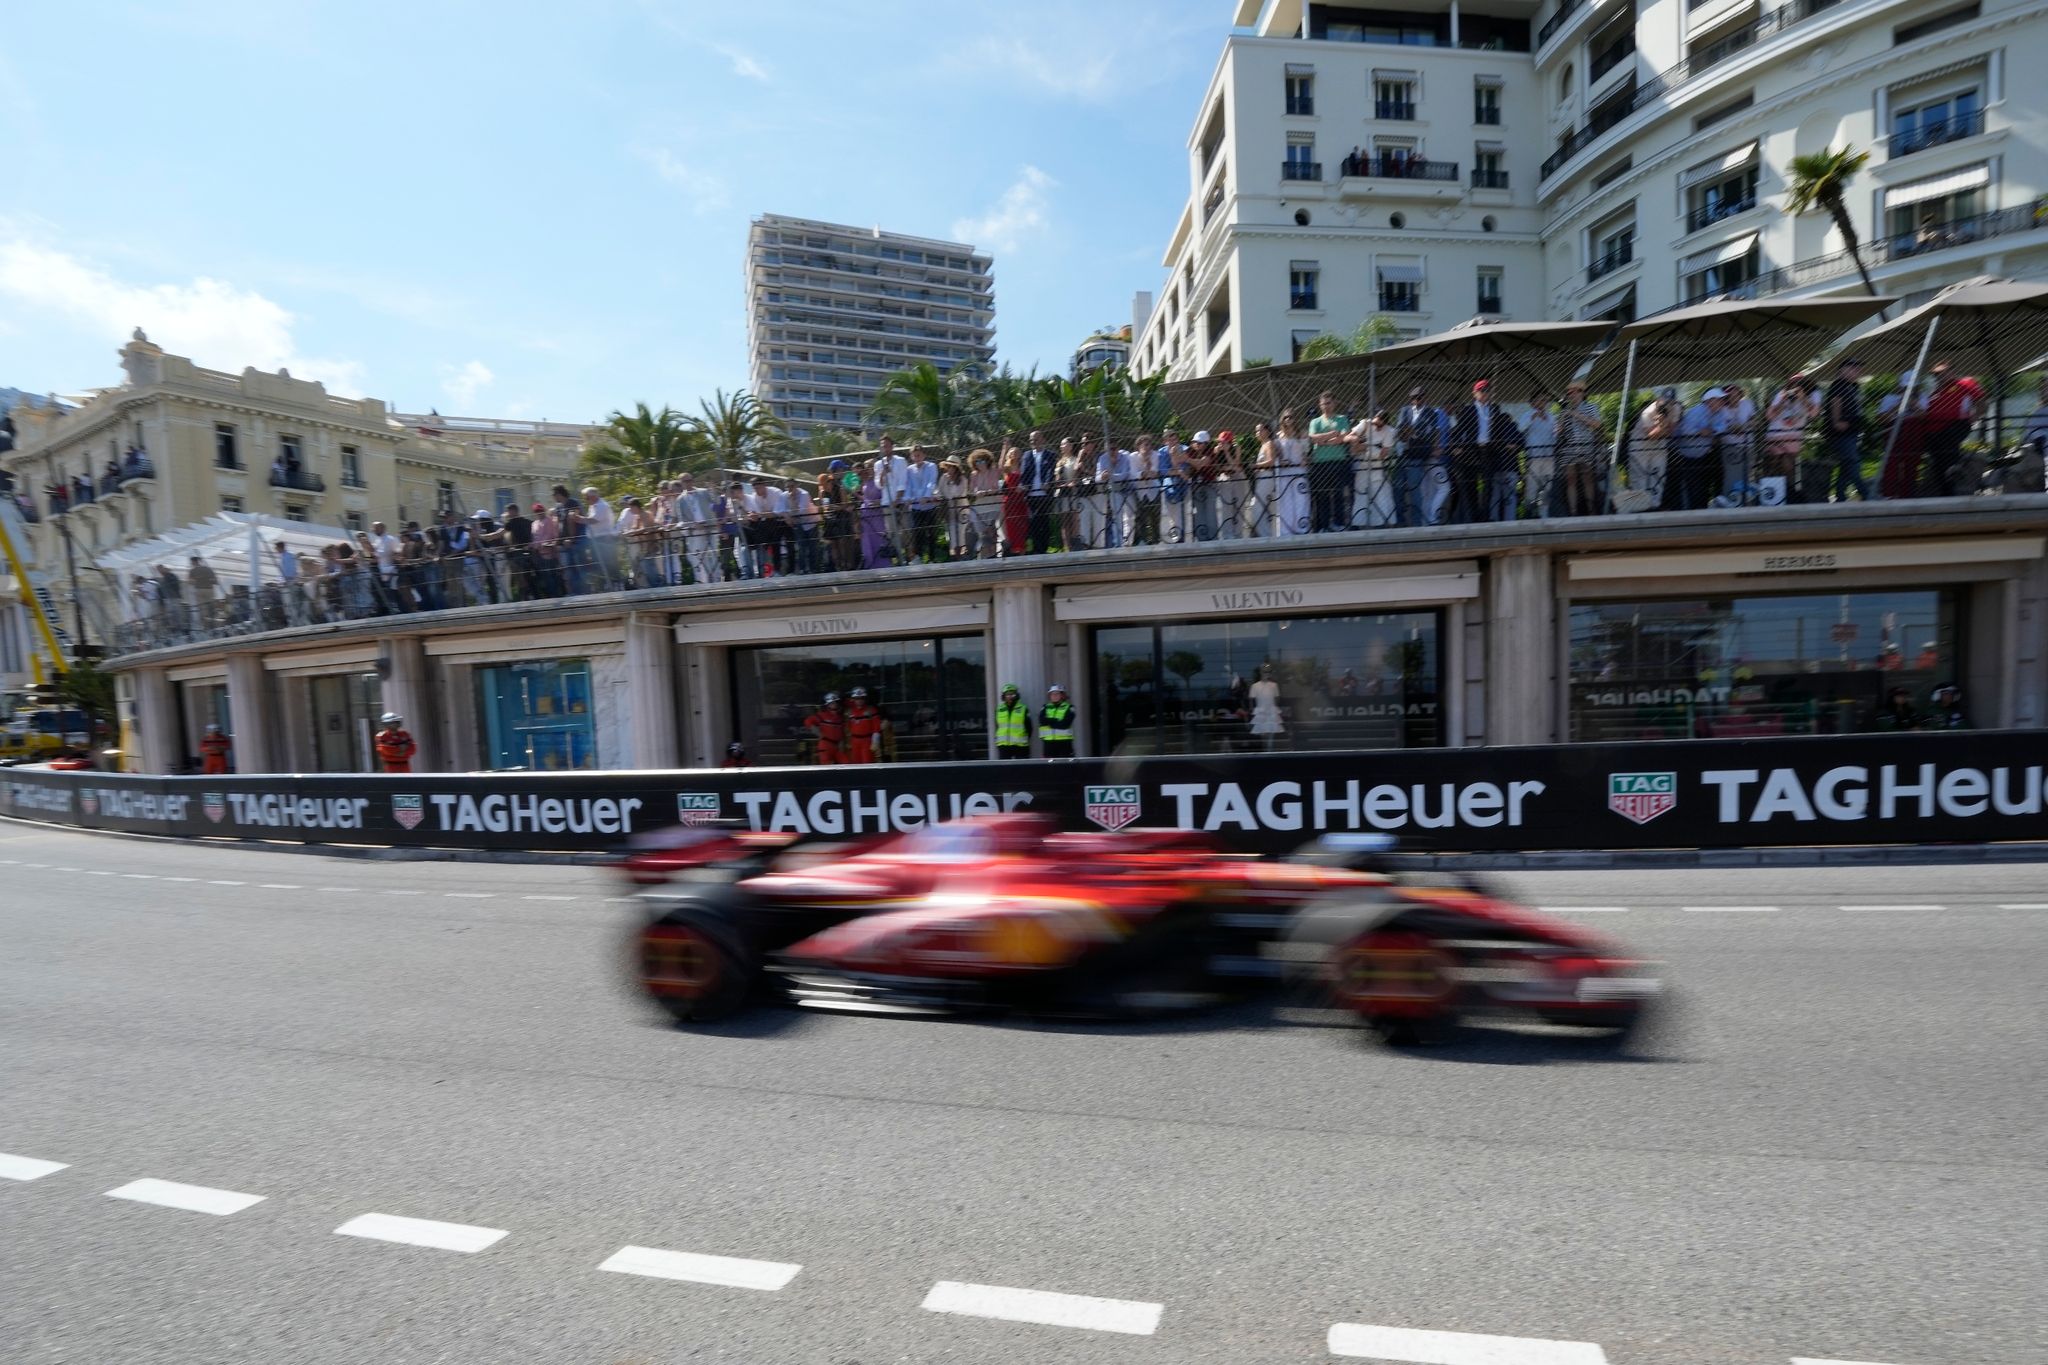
(695, 968)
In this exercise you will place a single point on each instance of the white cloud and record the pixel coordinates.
(705, 188)
(1020, 213)
(1083, 71)
(743, 62)
(212, 321)
(462, 383)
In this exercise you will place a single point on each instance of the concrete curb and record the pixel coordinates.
(1861, 855)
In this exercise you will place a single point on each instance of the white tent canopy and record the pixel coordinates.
(223, 544)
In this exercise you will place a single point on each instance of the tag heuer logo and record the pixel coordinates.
(89, 802)
(409, 810)
(215, 805)
(1111, 807)
(1641, 797)
(697, 808)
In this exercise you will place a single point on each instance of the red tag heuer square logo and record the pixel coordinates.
(697, 808)
(1111, 807)
(408, 810)
(1641, 797)
(215, 805)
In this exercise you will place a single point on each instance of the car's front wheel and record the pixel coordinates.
(695, 968)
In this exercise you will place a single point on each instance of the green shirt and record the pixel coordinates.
(1324, 426)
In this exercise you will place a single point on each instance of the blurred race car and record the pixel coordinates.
(1005, 911)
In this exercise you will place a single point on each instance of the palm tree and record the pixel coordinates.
(639, 450)
(1820, 183)
(1371, 334)
(828, 441)
(740, 431)
(927, 403)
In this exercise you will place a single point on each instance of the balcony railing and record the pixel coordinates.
(1950, 129)
(1400, 110)
(1613, 55)
(1671, 77)
(1706, 215)
(1488, 114)
(1401, 168)
(1611, 262)
(1484, 179)
(1301, 105)
(1301, 170)
(1400, 301)
(1557, 21)
(299, 479)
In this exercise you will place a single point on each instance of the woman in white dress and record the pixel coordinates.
(1262, 482)
(1265, 699)
(1372, 496)
(1290, 505)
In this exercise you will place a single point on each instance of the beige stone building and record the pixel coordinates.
(175, 443)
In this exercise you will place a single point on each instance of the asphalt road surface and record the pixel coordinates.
(410, 1112)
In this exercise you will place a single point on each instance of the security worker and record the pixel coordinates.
(1013, 724)
(394, 745)
(863, 723)
(830, 723)
(1056, 723)
(213, 751)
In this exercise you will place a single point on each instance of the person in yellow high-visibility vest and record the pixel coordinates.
(1013, 724)
(1056, 723)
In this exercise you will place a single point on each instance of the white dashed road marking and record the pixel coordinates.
(1457, 1348)
(1895, 907)
(731, 1271)
(194, 1198)
(550, 898)
(280, 886)
(470, 895)
(97, 872)
(1731, 909)
(215, 883)
(402, 893)
(178, 879)
(140, 876)
(2023, 905)
(420, 1232)
(26, 1167)
(345, 890)
(1050, 1310)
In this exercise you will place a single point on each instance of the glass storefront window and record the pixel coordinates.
(933, 693)
(345, 708)
(537, 715)
(1722, 668)
(203, 704)
(1340, 682)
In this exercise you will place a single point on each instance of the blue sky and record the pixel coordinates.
(539, 210)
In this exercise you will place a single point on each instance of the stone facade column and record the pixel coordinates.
(1018, 620)
(249, 714)
(409, 690)
(1521, 648)
(651, 691)
(156, 722)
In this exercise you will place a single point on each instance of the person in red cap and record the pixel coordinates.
(1486, 453)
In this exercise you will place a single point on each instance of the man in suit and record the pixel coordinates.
(1039, 470)
(1486, 448)
(1420, 443)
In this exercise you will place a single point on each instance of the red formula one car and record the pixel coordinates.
(1004, 911)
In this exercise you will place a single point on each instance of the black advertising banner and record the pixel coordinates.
(1861, 789)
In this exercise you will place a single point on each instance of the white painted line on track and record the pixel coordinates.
(1853, 908)
(97, 872)
(1582, 909)
(730, 1271)
(1730, 909)
(26, 1167)
(469, 895)
(194, 1198)
(215, 883)
(346, 890)
(279, 886)
(1050, 1310)
(420, 1232)
(178, 879)
(1416, 1347)
(140, 876)
(550, 898)
(404, 893)
(2023, 905)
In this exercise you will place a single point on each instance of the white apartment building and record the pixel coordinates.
(1587, 158)
(832, 311)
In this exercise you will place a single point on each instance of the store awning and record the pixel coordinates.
(1969, 178)
(1719, 166)
(222, 543)
(1732, 249)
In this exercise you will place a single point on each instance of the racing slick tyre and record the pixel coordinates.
(1400, 984)
(695, 966)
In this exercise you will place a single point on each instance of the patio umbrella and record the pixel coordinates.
(1764, 336)
(1520, 355)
